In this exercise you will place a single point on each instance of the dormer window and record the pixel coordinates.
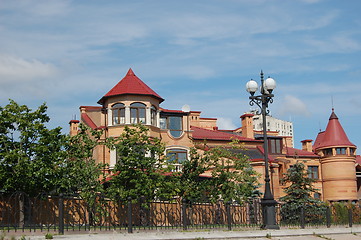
(137, 113)
(118, 113)
(275, 145)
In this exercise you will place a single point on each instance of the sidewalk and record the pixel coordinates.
(336, 233)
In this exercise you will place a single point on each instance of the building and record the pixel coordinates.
(284, 128)
(331, 160)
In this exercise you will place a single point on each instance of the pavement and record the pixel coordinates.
(333, 233)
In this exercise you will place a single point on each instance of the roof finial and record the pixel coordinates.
(130, 72)
(332, 103)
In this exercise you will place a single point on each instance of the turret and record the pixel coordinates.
(337, 157)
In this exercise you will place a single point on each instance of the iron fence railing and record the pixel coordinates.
(20, 212)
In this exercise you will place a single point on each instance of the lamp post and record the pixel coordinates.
(268, 203)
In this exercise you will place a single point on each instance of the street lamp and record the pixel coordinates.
(268, 203)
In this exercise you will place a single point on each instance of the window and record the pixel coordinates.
(317, 196)
(153, 115)
(118, 113)
(275, 145)
(173, 124)
(313, 172)
(341, 151)
(137, 113)
(177, 155)
(327, 152)
(352, 151)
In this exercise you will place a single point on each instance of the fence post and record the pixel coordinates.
(61, 214)
(229, 217)
(350, 220)
(328, 217)
(184, 213)
(302, 217)
(130, 221)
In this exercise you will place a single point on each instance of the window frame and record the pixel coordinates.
(313, 172)
(341, 151)
(165, 124)
(275, 145)
(136, 108)
(176, 152)
(119, 113)
(153, 115)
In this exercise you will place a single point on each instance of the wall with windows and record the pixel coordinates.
(338, 173)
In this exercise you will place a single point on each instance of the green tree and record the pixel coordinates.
(35, 159)
(299, 195)
(140, 168)
(232, 176)
(30, 153)
(81, 173)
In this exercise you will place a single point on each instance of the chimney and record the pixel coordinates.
(247, 125)
(307, 145)
(74, 124)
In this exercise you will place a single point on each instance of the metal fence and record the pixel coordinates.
(20, 212)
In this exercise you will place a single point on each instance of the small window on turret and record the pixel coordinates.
(118, 112)
(327, 152)
(352, 151)
(341, 151)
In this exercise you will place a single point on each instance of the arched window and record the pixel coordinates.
(137, 113)
(177, 155)
(118, 113)
(153, 114)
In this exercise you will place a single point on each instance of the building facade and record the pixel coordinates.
(331, 160)
(284, 128)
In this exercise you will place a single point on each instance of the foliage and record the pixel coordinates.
(35, 159)
(140, 168)
(48, 236)
(299, 195)
(341, 212)
(30, 153)
(81, 172)
(231, 177)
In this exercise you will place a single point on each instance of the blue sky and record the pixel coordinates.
(201, 53)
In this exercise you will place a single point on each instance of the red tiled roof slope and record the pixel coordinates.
(299, 152)
(201, 133)
(334, 135)
(130, 84)
(88, 121)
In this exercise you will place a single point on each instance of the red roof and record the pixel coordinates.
(88, 121)
(130, 84)
(171, 111)
(334, 135)
(299, 152)
(201, 133)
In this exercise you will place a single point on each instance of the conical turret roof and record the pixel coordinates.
(132, 85)
(334, 135)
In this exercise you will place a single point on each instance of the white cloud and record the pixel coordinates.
(18, 69)
(225, 123)
(293, 106)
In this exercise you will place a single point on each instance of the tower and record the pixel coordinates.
(337, 158)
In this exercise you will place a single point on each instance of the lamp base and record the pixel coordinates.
(269, 214)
